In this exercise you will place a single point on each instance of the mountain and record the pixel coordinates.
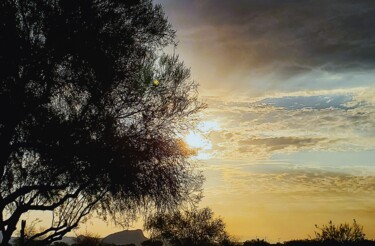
(125, 237)
(68, 240)
(118, 238)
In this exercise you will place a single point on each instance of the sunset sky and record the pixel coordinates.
(288, 138)
(290, 123)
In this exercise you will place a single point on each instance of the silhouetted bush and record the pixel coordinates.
(17, 242)
(256, 242)
(189, 227)
(152, 243)
(60, 244)
(328, 243)
(230, 241)
(302, 242)
(343, 233)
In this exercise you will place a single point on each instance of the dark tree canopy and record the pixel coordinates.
(83, 126)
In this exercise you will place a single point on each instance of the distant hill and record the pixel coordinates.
(68, 240)
(118, 238)
(125, 237)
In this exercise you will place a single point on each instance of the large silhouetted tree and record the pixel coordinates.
(90, 113)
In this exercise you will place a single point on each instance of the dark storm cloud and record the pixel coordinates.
(290, 37)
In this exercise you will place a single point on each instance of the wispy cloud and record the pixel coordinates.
(282, 124)
(293, 179)
(272, 144)
(284, 194)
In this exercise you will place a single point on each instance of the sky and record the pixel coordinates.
(288, 138)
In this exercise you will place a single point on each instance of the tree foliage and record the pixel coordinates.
(88, 239)
(256, 242)
(188, 227)
(82, 127)
(151, 242)
(343, 233)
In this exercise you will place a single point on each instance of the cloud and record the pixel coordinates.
(316, 102)
(260, 177)
(287, 123)
(288, 195)
(292, 157)
(278, 143)
(258, 46)
(338, 33)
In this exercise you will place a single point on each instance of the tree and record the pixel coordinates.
(83, 126)
(343, 233)
(189, 227)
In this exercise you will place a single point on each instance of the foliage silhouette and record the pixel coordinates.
(151, 242)
(256, 242)
(327, 243)
(189, 227)
(230, 241)
(82, 126)
(343, 233)
(60, 244)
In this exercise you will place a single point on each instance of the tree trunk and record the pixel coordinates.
(5, 241)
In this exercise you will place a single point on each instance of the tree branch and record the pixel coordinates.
(25, 190)
(60, 231)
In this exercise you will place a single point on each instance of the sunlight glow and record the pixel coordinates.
(199, 139)
(208, 126)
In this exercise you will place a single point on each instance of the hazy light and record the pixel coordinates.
(197, 141)
(208, 126)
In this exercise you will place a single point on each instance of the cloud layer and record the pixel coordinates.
(292, 160)
(257, 129)
(258, 46)
(282, 200)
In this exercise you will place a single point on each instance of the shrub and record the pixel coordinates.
(152, 243)
(256, 242)
(189, 227)
(343, 233)
(88, 239)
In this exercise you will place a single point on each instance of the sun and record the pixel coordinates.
(199, 141)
